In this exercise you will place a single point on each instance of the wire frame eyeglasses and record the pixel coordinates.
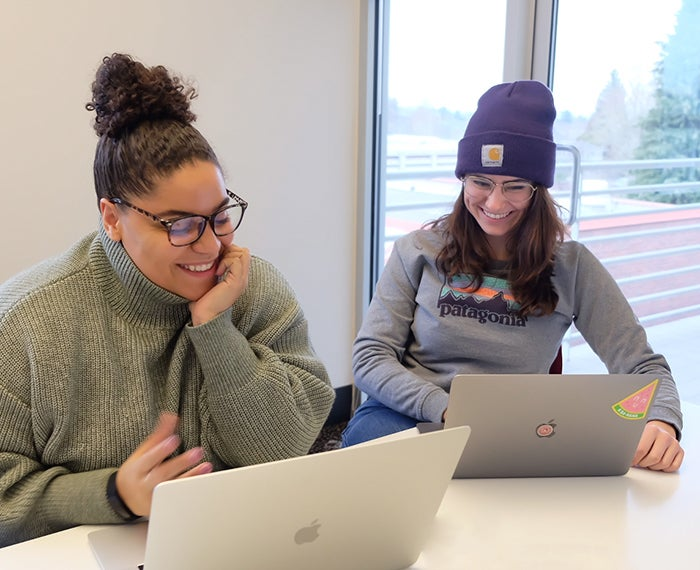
(515, 191)
(186, 230)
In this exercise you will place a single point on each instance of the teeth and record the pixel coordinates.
(495, 216)
(199, 268)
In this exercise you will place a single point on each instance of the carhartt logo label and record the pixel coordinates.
(492, 155)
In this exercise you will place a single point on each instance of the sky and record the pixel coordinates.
(445, 53)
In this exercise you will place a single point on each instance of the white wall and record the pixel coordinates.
(279, 98)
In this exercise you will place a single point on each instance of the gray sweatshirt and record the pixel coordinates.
(420, 330)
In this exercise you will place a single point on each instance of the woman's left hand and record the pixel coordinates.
(233, 279)
(658, 448)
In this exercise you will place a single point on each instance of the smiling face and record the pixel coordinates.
(188, 271)
(496, 216)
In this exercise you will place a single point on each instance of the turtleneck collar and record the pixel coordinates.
(130, 293)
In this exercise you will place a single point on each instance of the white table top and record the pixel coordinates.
(640, 520)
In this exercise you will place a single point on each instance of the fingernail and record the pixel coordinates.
(172, 441)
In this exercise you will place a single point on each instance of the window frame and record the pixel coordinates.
(530, 26)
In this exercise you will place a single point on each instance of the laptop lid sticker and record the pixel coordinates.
(636, 406)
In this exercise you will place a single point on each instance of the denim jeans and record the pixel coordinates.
(372, 420)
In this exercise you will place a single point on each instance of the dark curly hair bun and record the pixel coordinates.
(126, 93)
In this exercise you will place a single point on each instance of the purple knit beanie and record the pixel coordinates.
(510, 133)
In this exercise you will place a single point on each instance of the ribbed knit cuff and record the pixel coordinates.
(434, 405)
(116, 502)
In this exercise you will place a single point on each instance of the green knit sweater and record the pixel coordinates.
(91, 352)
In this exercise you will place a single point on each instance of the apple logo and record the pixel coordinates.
(307, 533)
(546, 429)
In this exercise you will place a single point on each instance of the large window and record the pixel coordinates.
(630, 102)
(628, 98)
(440, 56)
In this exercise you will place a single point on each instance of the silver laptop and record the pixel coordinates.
(550, 425)
(369, 506)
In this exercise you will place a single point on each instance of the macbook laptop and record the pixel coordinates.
(544, 425)
(369, 506)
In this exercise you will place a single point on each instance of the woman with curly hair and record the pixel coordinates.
(492, 287)
(155, 348)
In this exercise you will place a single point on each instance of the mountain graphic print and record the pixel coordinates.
(491, 303)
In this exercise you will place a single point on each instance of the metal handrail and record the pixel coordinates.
(575, 181)
(576, 167)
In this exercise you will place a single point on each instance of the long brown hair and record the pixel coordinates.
(532, 244)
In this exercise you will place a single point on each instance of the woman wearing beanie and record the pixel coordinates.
(155, 348)
(492, 287)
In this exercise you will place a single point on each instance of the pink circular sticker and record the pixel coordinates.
(545, 430)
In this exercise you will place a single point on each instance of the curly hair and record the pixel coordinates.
(533, 243)
(144, 124)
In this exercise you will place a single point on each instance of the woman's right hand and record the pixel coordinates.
(151, 464)
(233, 270)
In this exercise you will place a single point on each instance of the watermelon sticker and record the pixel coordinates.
(636, 406)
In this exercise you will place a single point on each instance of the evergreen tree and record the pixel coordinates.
(609, 127)
(671, 129)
